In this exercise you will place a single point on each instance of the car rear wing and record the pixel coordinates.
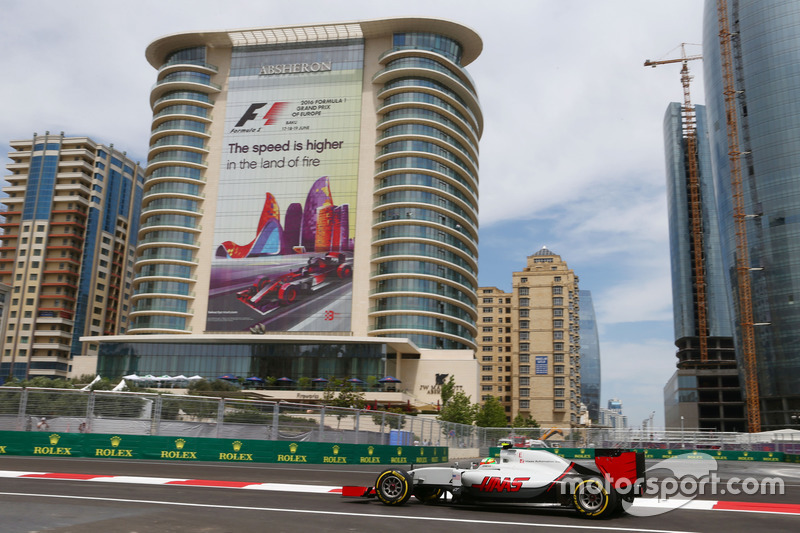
(622, 468)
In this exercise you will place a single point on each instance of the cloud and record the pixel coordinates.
(571, 156)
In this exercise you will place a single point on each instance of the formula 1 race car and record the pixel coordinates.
(268, 292)
(520, 476)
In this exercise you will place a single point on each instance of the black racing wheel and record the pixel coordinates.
(393, 486)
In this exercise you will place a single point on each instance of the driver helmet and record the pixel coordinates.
(488, 461)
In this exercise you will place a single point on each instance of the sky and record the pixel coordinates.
(572, 151)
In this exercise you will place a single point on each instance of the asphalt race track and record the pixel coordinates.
(110, 496)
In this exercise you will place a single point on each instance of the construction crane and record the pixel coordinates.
(746, 323)
(689, 133)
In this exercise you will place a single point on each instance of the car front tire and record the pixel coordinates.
(393, 486)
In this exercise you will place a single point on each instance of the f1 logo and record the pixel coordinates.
(270, 118)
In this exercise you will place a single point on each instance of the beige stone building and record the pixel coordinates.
(529, 345)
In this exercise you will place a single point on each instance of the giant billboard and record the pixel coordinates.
(285, 216)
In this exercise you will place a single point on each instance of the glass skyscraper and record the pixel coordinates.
(590, 356)
(766, 69)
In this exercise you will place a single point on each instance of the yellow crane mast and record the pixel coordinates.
(742, 253)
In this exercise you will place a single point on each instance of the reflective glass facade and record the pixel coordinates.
(426, 199)
(766, 67)
(590, 356)
(211, 359)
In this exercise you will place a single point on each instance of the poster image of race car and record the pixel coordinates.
(267, 292)
(536, 477)
(309, 291)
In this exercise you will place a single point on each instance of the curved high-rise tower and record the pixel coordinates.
(765, 59)
(315, 178)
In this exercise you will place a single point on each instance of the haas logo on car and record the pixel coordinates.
(501, 484)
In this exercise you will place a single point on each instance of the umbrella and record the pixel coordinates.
(132, 377)
(389, 379)
(355, 380)
(285, 380)
(195, 378)
(256, 379)
(319, 380)
(228, 377)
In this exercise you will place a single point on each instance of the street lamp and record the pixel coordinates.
(682, 446)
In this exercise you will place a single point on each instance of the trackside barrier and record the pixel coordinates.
(55, 444)
(720, 455)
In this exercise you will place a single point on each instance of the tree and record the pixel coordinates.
(521, 421)
(458, 409)
(393, 422)
(491, 414)
(448, 389)
(343, 396)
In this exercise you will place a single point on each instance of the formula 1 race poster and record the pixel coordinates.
(283, 235)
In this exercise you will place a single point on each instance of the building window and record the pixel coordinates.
(524, 382)
(558, 335)
(524, 392)
(486, 368)
(524, 404)
(524, 369)
(558, 392)
(486, 348)
(524, 302)
(524, 347)
(487, 388)
(558, 404)
(488, 358)
(487, 339)
(558, 369)
(487, 309)
(557, 278)
(524, 358)
(524, 313)
(524, 335)
(486, 378)
(488, 319)
(558, 324)
(524, 324)
(558, 290)
(558, 301)
(558, 346)
(558, 381)
(523, 291)
(487, 300)
(487, 329)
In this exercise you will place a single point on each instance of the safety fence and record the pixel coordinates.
(124, 413)
(109, 413)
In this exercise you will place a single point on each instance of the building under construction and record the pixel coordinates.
(705, 391)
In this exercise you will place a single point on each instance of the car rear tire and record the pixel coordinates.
(593, 500)
(393, 486)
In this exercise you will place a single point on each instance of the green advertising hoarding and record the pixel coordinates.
(652, 453)
(53, 444)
